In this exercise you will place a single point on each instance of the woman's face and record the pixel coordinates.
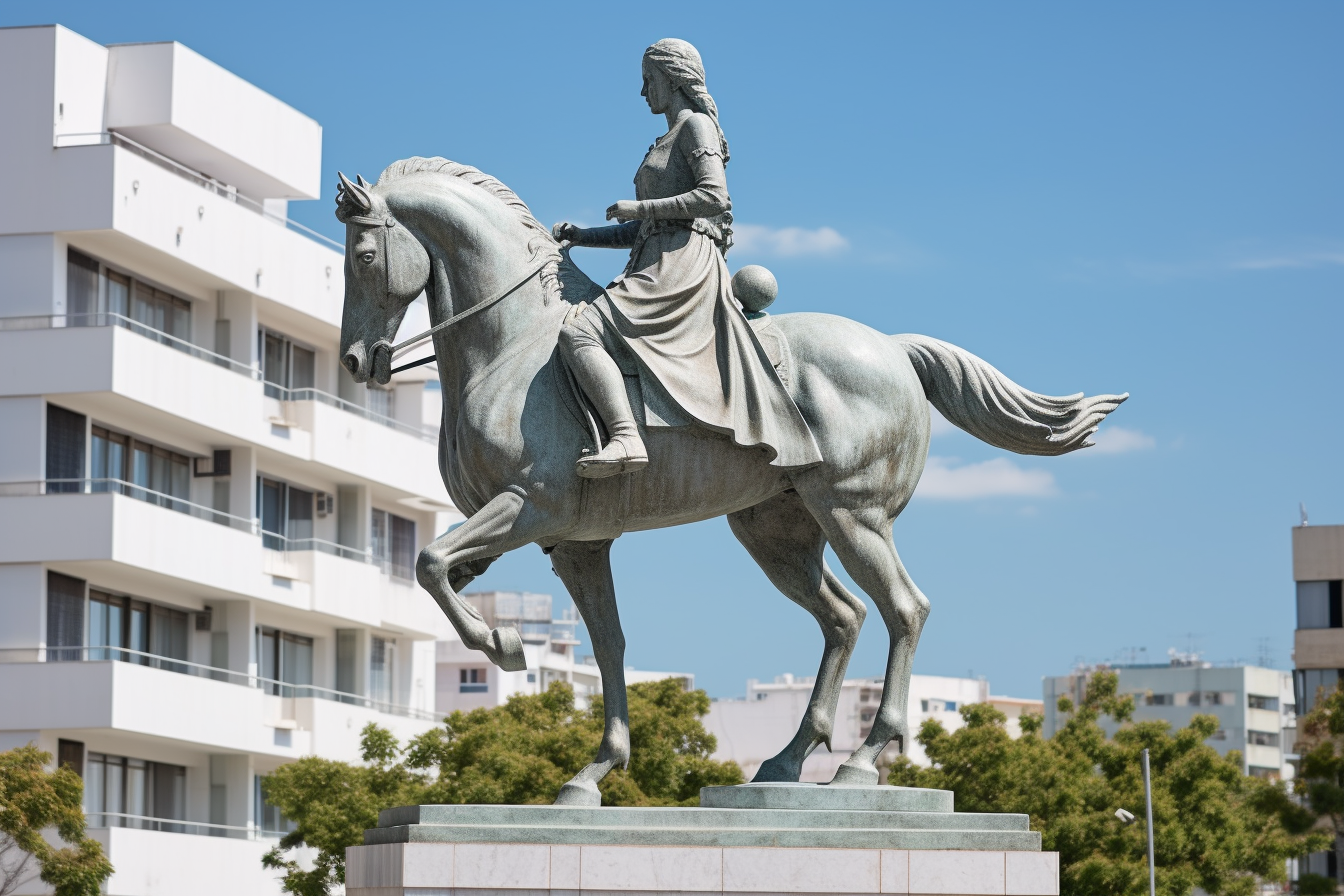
(657, 89)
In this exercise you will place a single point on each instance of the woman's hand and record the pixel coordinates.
(566, 232)
(624, 210)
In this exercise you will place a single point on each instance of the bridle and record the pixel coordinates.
(384, 226)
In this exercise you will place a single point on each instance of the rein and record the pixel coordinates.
(386, 224)
(458, 318)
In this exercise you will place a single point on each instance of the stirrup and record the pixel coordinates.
(623, 454)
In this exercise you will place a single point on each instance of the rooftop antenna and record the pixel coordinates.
(1302, 511)
(1265, 657)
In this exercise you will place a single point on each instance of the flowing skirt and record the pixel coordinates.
(673, 310)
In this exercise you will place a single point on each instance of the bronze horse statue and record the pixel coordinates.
(499, 287)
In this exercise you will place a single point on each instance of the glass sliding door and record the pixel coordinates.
(65, 618)
(81, 288)
(286, 661)
(65, 450)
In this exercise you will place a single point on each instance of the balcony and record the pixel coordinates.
(128, 363)
(204, 863)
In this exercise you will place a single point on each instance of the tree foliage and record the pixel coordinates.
(1320, 743)
(518, 753)
(32, 798)
(1214, 827)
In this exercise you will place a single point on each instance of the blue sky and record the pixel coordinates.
(1141, 197)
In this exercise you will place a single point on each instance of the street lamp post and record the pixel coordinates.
(1148, 799)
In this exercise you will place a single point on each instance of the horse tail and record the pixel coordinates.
(975, 397)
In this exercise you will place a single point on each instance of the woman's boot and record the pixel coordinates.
(603, 383)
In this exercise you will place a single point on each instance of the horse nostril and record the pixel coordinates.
(351, 362)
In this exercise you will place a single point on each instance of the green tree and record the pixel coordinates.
(1214, 827)
(518, 753)
(32, 798)
(1320, 742)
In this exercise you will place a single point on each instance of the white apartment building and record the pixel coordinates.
(207, 532)
(466, 680)
(1254, 705)
(752, 729)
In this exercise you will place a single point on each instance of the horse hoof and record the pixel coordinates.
(772, 771)
(579, 793)
(507, 649)
(855, 774)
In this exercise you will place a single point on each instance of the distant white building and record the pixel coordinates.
(208, 531)
(466, 680)
(752, 729)
(1254, 705)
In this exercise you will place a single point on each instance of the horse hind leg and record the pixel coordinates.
(862, 540)
(788, 544)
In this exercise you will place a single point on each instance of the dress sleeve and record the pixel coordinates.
(618, 236)
(709, 197)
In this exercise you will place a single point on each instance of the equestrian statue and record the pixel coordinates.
(573, 413)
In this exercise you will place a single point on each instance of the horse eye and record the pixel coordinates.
(367, 258)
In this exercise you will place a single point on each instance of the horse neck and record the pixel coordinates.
(475, 257)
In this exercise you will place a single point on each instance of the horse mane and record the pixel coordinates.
(475, 176)
(561, 279)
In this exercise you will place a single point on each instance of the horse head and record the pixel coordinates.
(386, 268)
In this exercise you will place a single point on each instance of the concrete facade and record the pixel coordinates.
(1254, 706)
(752, 729)
(207, 532)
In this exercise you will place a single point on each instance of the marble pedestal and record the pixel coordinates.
(751, 839)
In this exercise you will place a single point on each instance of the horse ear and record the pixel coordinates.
(353, 194)
(359, 179)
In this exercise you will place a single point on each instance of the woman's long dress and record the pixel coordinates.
(673, 308)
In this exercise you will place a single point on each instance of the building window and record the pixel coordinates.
(382, 401)
(382, 667)
(1308, 682)
(65, 618)
(118, 459)
(1319, 605)
(70, 754)
(286, 514)
(135, 631)
(286, 662)
(1263, 738)
(65, 450)
(1256, 701)
(92, 291)
(347, 649)
(1159, 700)
(472, 681)
(121, 792)
(393, 539)
(285, 364)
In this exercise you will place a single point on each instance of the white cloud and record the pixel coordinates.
(787, 242)
(998, 478)
(1118, 440)
(1290, 260)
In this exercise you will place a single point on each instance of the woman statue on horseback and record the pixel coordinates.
(671, 313)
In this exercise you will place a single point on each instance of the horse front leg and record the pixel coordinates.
(585, 568)
(460, 555)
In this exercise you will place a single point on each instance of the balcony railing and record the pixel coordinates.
(130, 490)
(287, 689)
(276, 542)
(428, 434)
(219, 188)
(111, 319)
(176, 826)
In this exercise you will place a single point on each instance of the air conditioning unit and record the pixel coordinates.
(326, 503)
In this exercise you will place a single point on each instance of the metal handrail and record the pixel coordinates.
(180, 826)
(218, 187)
(275, 687)
(112, 319)
(428, 434)
(277, 542)
(129, 490)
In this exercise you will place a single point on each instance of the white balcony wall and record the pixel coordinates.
(176, 101)
(110, 368)
(201, 866)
